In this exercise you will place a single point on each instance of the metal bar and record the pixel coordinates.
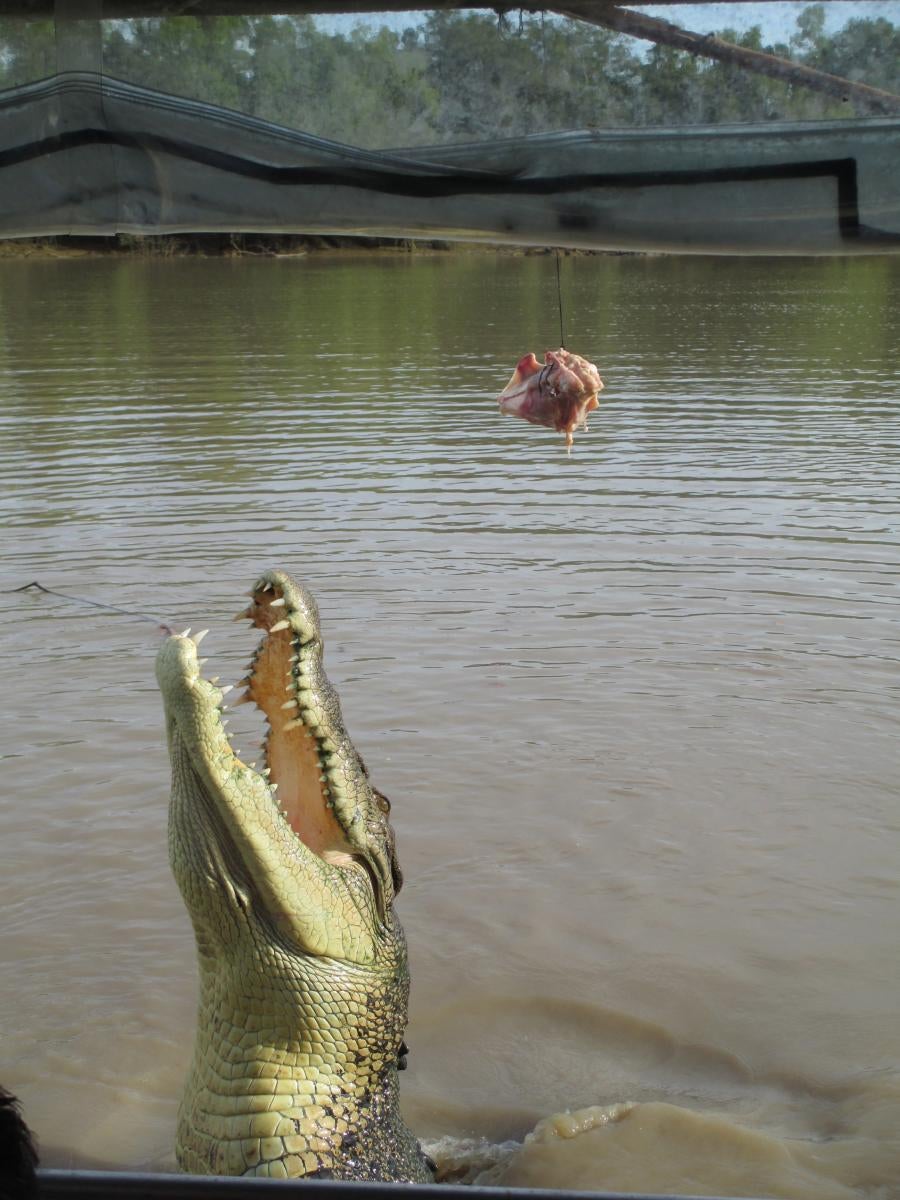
(132, 1185)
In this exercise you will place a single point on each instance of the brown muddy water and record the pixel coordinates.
(638, 710)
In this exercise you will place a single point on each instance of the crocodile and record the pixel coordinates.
(289, 875)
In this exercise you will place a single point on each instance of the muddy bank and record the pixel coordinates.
(237, 245)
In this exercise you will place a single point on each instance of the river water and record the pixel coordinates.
(638, 710)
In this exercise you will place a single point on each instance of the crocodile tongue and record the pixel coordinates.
(294, 747)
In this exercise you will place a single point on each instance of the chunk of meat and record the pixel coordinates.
(559, 394)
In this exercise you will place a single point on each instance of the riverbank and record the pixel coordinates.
(258, 245)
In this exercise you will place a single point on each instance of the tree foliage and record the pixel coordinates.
(461, 76)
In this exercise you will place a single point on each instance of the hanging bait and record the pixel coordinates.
(558, 395)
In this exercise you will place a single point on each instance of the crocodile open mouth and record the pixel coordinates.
(287, 684)
(312, 785)
(311, 775)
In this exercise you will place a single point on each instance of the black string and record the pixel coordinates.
(562, 336)
(163, 628)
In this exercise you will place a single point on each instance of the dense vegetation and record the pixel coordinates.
(462, 76)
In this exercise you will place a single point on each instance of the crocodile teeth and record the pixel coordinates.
(200, 636)
(290, 704)
(229, 687)
(279, 625)
(245, 615)
(291, 725)
(215, 679)
(280, 603)
(185, 632)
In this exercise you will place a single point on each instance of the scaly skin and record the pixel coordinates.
(303, 970)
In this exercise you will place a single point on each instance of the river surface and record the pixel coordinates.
(638, 710)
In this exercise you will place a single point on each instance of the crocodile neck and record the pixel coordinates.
(283, 1084)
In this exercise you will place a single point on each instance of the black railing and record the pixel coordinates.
(133, 1185)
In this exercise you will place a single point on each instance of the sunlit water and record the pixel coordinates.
(637, 709)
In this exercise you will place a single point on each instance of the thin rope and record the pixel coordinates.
(125, 612)
(562, 335)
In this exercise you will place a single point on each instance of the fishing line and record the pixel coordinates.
(562, 335)
(125, 612)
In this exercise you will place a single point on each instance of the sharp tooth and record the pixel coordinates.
(291, 725)
(215, 679)
(274, 787)
(202, 661)
(267, 771)
(290, 704)
(279, 625)
(278, 603)
(244, 698)
(246, 615)
(229, 687)
(200, 636)
(253, 766)
(185, 632)
(268, 587)
(225, 722)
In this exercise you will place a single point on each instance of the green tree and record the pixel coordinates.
(27, 51)
(462, 75)
(204, 58)
(864, 50)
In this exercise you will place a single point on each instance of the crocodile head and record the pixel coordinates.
(289, 873)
